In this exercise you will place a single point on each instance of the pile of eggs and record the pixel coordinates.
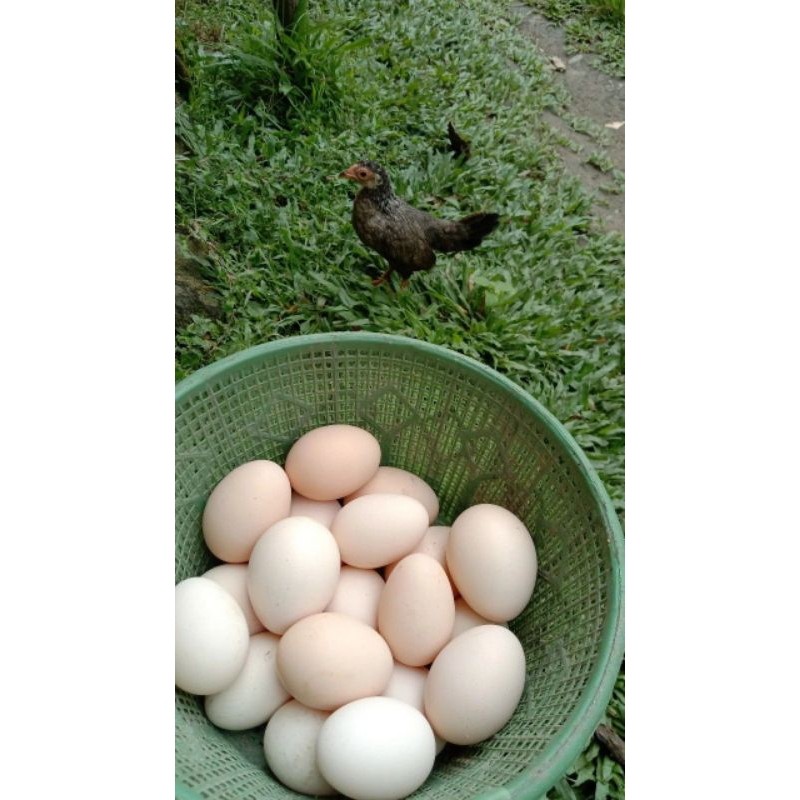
(362, 676)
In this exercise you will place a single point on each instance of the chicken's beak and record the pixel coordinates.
(350, 173)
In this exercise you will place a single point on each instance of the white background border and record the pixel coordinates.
(712, 413)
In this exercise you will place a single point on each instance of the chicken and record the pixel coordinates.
(405, 236)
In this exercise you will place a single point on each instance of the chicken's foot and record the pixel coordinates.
(383, 278)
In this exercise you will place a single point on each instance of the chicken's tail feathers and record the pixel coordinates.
(464, 234)
(479, 226)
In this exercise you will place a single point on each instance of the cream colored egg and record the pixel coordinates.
(211, 639)
(475, 684)
(329, 659)
(357, 594)
(391, 480)
(233, 578)
(242, 506)
(433, 544)
(408, 684)
(255, 694)
(377, 529)
(416, 610)
(466, 618)
(323, 511)
(331, 462)
(492, 560)
(290, 747)
(293, 572)
(377, 748)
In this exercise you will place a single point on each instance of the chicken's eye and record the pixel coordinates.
(362, 173)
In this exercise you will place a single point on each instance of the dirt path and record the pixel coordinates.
(594, 96)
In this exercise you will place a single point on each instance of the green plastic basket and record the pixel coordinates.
(475, 437)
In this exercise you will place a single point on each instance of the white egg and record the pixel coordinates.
(466, 618)
(357, 594)
(211, 638)
(391, 480)
(255, 694)
(475, 684)
(233, 578)
(323, 511)
(376, 748)
(416, 610)
(293, 572)
(433, 544)
(377, 529)
(492, 560)
(290, 747)
(408, 684)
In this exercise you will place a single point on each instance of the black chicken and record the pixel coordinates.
(405, 236)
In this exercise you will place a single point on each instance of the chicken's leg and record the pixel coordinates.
(383, 278)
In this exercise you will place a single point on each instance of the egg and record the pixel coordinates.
(391, 480)
(466, 618)
(211, 638)
(475, 684)
(256, 692)
(492, 560)
(290, 747)
(433, 544)
(377, 748)
(242, 506)
(377, 529)
(408, 684)
(293, 572)
(332, 461)
(323, 511)
(357, 594)
(416, 610)
(233, 578)
(329, 659)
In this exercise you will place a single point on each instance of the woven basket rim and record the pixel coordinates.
(555, 761)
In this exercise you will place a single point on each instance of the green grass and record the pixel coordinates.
(269, 125)
(591, 26)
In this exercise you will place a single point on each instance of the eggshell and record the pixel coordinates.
(211, 639)
(408, 684)
(433, 544)
(330, 462)
(329, 659)
(475, 684)
(391, 480)
(293, 572)
(466, 618)
(377, 748)
(242, 506)
(416, 610)
(290, 747)
(233, 578)
(255, 694)
(357, 594)
(377, 529)
(492, 560)
(323, 511)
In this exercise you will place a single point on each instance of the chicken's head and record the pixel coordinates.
(367, 173)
